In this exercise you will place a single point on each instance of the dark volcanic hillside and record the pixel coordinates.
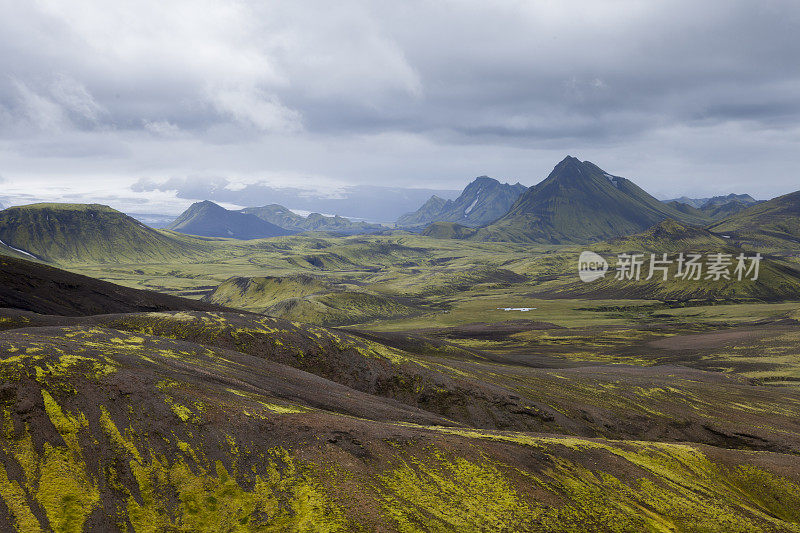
(581, 203)
(84, 233)
(285, 218)
(208, 219)
(43, 289)
(482, 201)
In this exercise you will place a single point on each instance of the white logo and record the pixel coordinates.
(591, 266)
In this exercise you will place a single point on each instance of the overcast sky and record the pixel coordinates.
(683, 97)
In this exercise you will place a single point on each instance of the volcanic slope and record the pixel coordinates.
(218, 421)
(581, 203)
(44, 289)
(108, 429)
(86, 233)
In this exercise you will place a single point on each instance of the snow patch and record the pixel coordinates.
(613, 179)
(18, 250)
(516, 308)
(471, 206)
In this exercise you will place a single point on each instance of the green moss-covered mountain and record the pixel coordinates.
(285, 218)
(482, 201)
(208, 219)
(84, 233)
(580, 203)
(773, 224)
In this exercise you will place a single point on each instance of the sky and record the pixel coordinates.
(136, 104)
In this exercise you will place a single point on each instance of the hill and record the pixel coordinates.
(482, 201)
(448, 230)
(84, 233)
(208, 219)
(285, 218)
(580, 203)
(772, 224)
(40, 288)
(778, 279)
(307, 298)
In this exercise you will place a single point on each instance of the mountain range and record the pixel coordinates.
(287, 219)
(481, 202)
(715, 201)
(716, 208)
(579, 202)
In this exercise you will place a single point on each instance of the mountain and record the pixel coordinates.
(715, 208)
(208, 219)
(714, 201)
(84, 233)
(697, 203)
(774, 223)
(579, 203)
(425, 214)
(482, 201)
(285, 218)
(717, 201)
(39, 288)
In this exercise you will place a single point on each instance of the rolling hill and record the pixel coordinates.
(773, 224)
(84, 233)
(448, 230)
(482, 201)
(308, 299)
(778, 279)
(580, 203)
(208, 219)
(285, 218)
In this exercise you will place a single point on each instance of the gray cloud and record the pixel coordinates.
(414, 94)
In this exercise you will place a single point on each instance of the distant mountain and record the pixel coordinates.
(46, 290)
(425, 214)
(482, 201)
(285, 218)
(579, 203)
(715, 208)
(83, 233)
(208, 219)
(774, 223)
(722, 200)
(697, 203)
(154, 220)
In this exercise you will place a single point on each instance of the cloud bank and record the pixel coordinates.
(679, 96)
